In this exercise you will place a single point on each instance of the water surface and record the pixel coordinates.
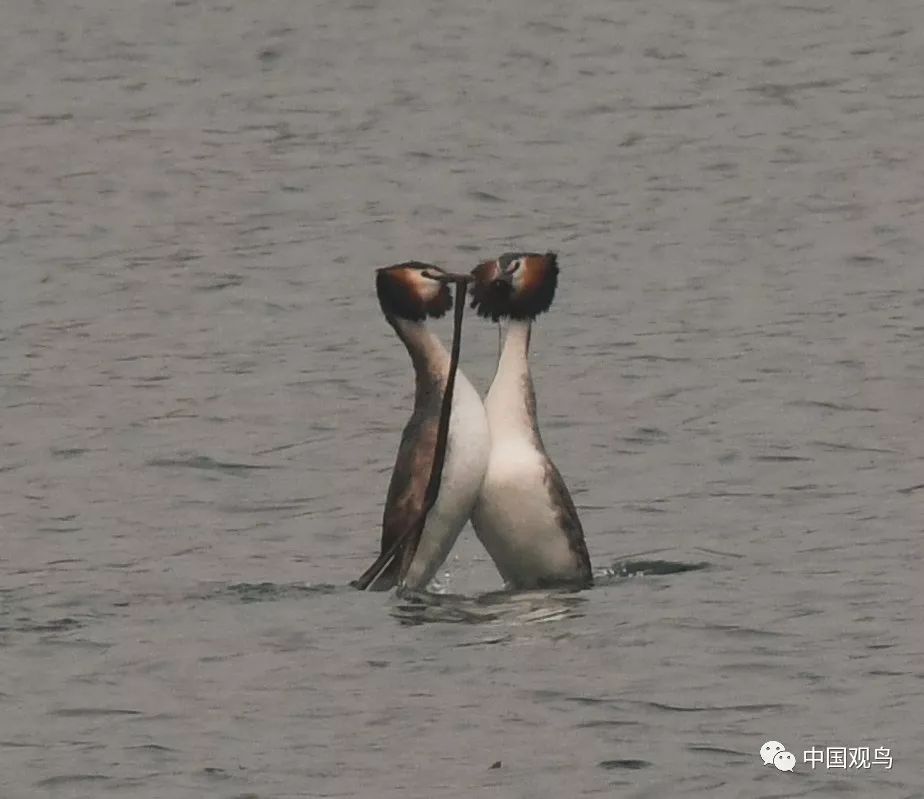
(201, 402)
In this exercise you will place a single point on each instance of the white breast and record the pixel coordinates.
(516, 521)
(467, 455)
(515, 516)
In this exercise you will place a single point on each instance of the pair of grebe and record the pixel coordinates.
(483, 461)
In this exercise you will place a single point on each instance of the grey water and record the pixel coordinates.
(200, 402)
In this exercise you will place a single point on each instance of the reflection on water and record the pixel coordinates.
(527, 607)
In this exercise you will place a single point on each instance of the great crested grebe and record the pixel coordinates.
(524, 514)
(418, 530)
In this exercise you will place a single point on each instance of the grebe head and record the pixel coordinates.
(518, 285)
(413, 290)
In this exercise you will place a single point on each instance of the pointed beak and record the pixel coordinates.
(502, 277)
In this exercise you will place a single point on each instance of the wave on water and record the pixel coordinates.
(646, 568)
(273, 592)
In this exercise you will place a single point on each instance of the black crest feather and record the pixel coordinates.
(494, 298)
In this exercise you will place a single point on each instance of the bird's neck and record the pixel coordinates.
(428, 355)
(511, 401)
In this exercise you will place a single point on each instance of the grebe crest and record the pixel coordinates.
(517, 285)
(413, 291)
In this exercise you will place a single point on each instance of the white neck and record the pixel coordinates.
(510, 403)
(429, 356)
